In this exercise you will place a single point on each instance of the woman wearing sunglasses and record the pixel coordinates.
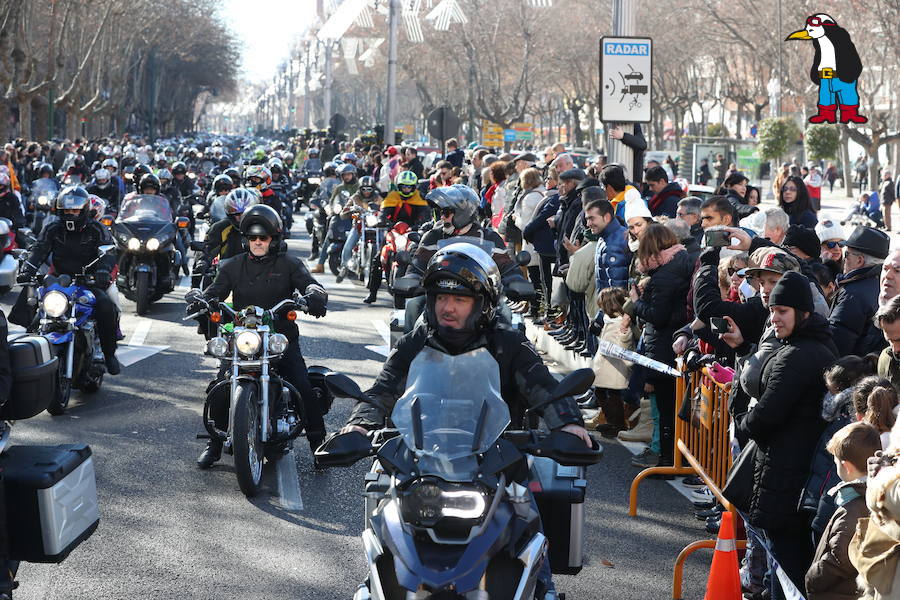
(832, 236)
(794, 200)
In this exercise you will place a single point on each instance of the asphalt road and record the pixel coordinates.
(169, 530)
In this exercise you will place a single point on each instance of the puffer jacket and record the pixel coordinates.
(661, 307)
(786, 423)
(854, 305)
(537, 231)
(612, 258)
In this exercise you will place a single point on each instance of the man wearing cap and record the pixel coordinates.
(802, 243)
(856, 300)
(569, 209)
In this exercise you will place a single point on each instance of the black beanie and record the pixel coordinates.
(792, 290)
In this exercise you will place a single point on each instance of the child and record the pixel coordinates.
(612, 373)
(831, 574)
(876, 405)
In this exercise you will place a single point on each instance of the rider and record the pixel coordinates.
(367, 198)
(137, 175)
(224, 237)
(341, 224)
(406, 203)
(222, 184)
(186, 186)
(169, 191)
(462, 287)
(73, 242)
(259, 177)
(10, 206)
(264, 276)
(104, 187)
(349, 183)
(312, 164)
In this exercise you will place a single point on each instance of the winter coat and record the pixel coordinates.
(741, 208)
(613, 373)
(883, 501)
(612, 257)
(666, 202)
(537, 231)
(570, 208)
(580, 276)
(786, 423)
(807, 218)
(854, 305)
(831, 576)
(523, 214)
(661, 307)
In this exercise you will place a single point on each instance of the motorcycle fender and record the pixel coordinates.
(373, 551)
(465, 574)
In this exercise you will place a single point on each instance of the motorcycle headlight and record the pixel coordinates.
(43, 200)
(152, 244)
(55, 304)
(314, 180)
(134, 244)
(247, 342)
(371, 220)
(217, 346)
(428, 502)
(277, 343)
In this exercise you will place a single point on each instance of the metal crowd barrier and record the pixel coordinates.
(703, 442)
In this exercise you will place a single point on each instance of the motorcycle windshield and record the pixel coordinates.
(45, 185)
(145, 207)
(451, 410)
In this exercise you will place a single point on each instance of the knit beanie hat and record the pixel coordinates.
(792, 290)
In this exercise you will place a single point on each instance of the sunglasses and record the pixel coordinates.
(832, 245)
(732, 272)
(259, 238)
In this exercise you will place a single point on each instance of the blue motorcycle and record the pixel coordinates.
(65, 317)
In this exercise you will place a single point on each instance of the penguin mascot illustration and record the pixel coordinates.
(835, 69)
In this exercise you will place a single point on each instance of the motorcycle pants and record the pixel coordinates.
(105, 314)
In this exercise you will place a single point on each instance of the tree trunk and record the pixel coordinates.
(72, 124)
(41, 121)
(24, 129)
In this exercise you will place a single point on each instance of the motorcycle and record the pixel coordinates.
(65, 310)
(265, 412)
(449, 510)
(399, 245)
(41, 201)
(145, 233)
(364, 261)
(337, 231)
(9, 266)
(307, 188)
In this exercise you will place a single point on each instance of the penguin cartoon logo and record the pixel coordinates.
(835, 69)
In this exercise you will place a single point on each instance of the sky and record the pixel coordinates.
(266, 29)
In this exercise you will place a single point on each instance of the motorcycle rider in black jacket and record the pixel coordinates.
(73, 241)
(10, 207)
(462, 286)
(104, 187)
(264, 276)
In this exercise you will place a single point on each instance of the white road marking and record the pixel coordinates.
(128, 355)
(384, 330)
(289, 497)
(184, 283)
(140, 332)
(382, 350)
(637, 447)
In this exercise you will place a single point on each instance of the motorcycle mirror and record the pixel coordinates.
(343, 450)
(193, 295)
(196, 245)
(523, 258)
(403, 258)
(574, 384)
(106, 249)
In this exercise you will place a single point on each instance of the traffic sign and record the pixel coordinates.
(491, 134)
(443, 123)
(524, 131)
(509, 135)
(626, 69)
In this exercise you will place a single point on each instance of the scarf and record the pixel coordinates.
(663, 258)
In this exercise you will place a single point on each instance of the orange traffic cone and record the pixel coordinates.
(724, 581)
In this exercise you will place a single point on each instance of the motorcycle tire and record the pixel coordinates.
(142, 292)
(334, 263)
(93, 384)
(246, 443)
(60, 401)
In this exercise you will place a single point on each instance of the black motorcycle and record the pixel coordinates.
(454, 501)
(148, 261)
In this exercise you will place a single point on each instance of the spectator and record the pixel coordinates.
(825, 277)
(533, 191)
(831, 575)
(888, 320)
(813, 183)
(660, 307)
(802, 243)
(875, 403)
(786, 423)
(831, 175)
(477, 166)
(443, 175)
(735, 190)
(703, 174)
(890, 278)
(563, 162)
(612, 373)
(721, 167)
(794, 199)
(832, 236)
(753, 197)
(514, 192)
(496, 193)
(539, 233)
(611, 258)
(683, 233)
(665, 195)
(455, 155)
(888, 195)
(636, 142)
(413, 162)
(780, 178)
(856, 300)
(569, 209)
(689, 212)
(731, 276)
(618, 191)
(716, 211)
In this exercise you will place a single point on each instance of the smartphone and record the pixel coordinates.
(718, 325)
(717, 238)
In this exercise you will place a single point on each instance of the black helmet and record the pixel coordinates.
(45, 169)
(179, 168)
(149, 180)
(136, 175)
(458, 198)
(466, 270)
(234, 174)
(261, 219)
(329, 170)
(224, 160)
(222, 183)
(367, 184)
(78, 160)
(73, 197)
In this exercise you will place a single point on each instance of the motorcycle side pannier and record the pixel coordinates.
(51, 500)
(34, 377)
(559, 492)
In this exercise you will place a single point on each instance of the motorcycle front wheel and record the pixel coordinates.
(60, 400)
(248, 448)
(142, 292)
